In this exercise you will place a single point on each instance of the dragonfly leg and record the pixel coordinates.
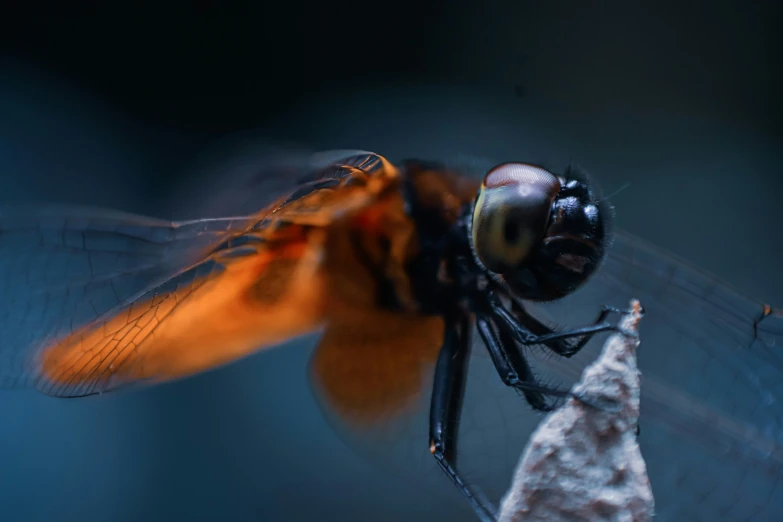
(565, 347)
(528, 330)
(447, 396)
(512, 367)
(515, 372)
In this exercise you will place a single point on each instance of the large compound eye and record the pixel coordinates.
(511, 214)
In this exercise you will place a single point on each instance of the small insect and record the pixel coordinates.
(396, 265)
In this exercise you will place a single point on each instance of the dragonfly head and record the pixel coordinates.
(543, 234)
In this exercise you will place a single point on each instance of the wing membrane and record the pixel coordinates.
(233, 303)
(62, 268)
(94, 300)
(712, 391)
(709, 352)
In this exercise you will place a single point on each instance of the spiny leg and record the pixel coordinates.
(562, 347)
(512, 366)
(527, 330)
(447, 395)
(510, 363)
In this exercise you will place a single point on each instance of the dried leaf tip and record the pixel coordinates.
(583, 462)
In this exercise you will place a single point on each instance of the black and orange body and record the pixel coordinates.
(395, 266)
(379, 257)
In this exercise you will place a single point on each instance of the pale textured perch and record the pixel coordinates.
(583, 463)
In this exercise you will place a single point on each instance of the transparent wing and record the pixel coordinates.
(242, 176)
(712, 389)
(93, 300)
(712, 395)
(62, 268)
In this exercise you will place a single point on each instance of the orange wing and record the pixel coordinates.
(371, 366)
(120, 299)
(213, 314)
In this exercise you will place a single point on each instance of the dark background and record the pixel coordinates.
(677, 105)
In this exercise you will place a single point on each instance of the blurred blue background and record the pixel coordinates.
(679, 106)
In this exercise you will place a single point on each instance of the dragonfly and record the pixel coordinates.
(439, 297)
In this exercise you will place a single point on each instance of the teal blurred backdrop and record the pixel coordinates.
(676, 107)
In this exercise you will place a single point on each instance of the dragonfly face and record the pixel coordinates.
(543, 235)
(397, 266)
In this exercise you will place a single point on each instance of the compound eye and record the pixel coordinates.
(511, 214)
